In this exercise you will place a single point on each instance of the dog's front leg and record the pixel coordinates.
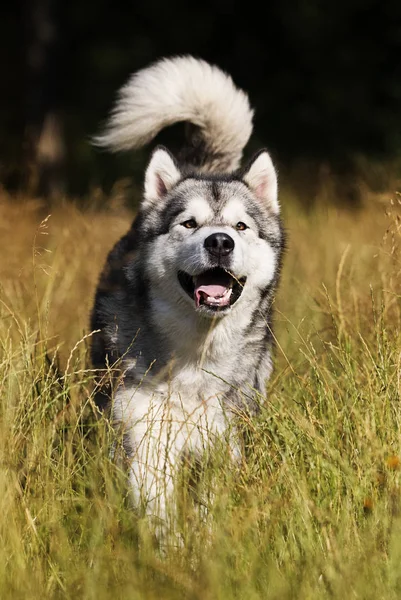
(153, 468)
(153, 439)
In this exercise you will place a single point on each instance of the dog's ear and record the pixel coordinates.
(261, 177)
(161, 175)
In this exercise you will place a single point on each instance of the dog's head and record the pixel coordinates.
(212, 242)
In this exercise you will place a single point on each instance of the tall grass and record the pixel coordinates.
(314, 510)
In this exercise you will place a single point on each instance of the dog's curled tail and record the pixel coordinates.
(181, 89)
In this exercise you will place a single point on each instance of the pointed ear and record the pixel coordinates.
(261, 177)
(161, 175)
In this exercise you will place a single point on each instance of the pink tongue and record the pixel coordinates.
(213, 291)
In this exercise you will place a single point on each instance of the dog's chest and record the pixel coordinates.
(191, 386)
(188, 400)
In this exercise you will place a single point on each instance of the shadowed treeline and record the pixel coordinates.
(323, 78)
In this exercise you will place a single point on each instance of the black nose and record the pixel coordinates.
(219, 244)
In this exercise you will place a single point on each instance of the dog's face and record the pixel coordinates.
(213, 243)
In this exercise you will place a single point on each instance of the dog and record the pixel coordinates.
(184, 303)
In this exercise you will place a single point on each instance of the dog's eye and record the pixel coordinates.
(190, 224)
(240, 226)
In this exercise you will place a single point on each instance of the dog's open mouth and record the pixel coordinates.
(216, 289)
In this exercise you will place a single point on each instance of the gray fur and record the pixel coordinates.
(190, 359)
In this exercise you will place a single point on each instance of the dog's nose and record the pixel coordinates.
(219, 244)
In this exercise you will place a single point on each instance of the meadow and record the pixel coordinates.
(313, 512)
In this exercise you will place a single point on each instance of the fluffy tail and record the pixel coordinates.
(183, 89)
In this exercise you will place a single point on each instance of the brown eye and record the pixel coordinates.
(190, 224)
(240, 226)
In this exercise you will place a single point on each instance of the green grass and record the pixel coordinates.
(314, 510)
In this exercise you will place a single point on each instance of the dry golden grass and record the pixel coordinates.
(314, 513)
(52, 258)
(52, 261)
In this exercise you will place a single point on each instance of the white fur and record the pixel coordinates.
(175, 90)
(187, 398)
(162, 426)
(167, 416)
(262, 179)
(183, 249)
(161, 175)
(197, 208)
(182, 409)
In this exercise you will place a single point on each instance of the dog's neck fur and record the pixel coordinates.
(199, 355)
(196, 338)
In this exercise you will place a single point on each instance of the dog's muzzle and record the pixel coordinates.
(214, 290)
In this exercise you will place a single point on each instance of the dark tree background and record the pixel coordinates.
(324, 78)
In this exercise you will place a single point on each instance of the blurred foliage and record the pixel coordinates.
(324, 78)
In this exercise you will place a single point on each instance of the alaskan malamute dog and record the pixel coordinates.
(184, 303)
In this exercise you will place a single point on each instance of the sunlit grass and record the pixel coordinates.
(314, 510)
